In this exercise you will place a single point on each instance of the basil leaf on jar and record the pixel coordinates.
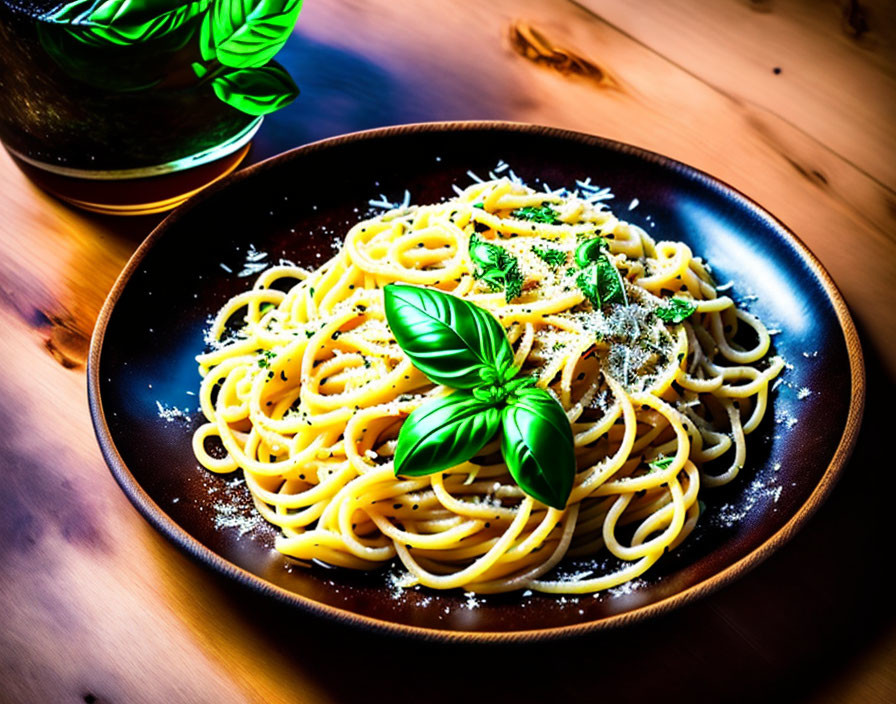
(247, 33)
(256, 91)
(124, 22)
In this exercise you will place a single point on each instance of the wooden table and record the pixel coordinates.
(791, 102)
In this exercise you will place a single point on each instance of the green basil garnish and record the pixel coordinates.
(456, 343)
(544, 214)
(496, 267)
(677, 310)
(601, 283)
(552, 257)
(448, 339)
(538, 447)
(124, 22)
(247, 33)
(598, 280)
(661, 463)
(256, 91)
(443, 433)
(590, 251)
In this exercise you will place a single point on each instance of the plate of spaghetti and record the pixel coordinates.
(476, 381)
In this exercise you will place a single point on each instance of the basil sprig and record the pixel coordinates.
(497, 267)
(460, 345)
(599, 280)
(677, 310)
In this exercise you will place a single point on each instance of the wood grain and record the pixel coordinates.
(97, 607)
(826, 68)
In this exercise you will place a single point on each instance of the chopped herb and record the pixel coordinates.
(553, 257)
(677, 310)
(497, 267)
(545, 214)
(481, 206)
(266, 307)
(311, 291)
(661, 463)
(601, 283)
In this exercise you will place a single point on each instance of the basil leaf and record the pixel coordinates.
(591, 250)
(256, 91)
(545, 214)
(125, 22)
(552, 257)
(247, 33)
(486, 255)
(677, 310)
(444, 432)
(601, 283)
(451, 341)
(538, 447)
(496, 267)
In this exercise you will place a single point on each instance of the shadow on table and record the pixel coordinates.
(785, 632)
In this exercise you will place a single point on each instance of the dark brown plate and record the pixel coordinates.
(297, 204)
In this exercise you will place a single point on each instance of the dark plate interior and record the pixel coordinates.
(298, 204)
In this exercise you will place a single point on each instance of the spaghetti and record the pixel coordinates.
(308, 396)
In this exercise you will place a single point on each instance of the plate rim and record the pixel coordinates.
(172, 530)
